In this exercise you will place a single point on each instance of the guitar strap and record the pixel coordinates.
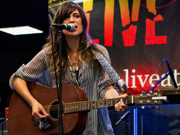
(120, 83)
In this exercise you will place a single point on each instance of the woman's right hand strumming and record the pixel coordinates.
(38, 111)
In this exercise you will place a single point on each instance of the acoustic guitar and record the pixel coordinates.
(75, 107)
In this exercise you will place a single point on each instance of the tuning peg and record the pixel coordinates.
(155, 94)
(148, 101)
(150, 91)
(155, 101)
(140, 102)
(143, 92)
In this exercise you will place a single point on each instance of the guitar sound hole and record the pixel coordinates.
(54, 110)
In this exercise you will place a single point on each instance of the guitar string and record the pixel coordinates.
(79, 105)
(81, 102)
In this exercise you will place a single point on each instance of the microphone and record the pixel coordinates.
(70, 27)
(171, 74)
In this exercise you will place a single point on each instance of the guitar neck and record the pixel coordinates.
(141, 99)
(90, 105)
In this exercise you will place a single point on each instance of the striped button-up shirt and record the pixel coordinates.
(94, 81)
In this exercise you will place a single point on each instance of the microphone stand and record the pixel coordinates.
(166, 74)
(125, 116)
(61, 131)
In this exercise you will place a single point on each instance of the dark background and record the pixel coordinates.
(16, 50)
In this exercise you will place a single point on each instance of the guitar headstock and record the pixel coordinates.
(154, 98)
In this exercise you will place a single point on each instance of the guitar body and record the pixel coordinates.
(74, 106)
(20, 120)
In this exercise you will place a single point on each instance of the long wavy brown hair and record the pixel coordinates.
(85, 46)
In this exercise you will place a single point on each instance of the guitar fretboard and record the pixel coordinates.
(89, 105)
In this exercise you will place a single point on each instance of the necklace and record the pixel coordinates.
(73, 65)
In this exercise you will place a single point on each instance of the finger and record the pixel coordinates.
(118, 107)
(44, 113)
(40, 115)
(124, 106)
(124, 95)
(121, 102)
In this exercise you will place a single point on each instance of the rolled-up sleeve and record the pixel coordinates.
(32, 71)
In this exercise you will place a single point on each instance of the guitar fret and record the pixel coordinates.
(95, 104)
(73, 107)
(88, 106)
(100, 103)
(69, 106)
(109, 102)
(91, 104)
(106, 103)
(66, 108)
(80, 106)
(117, 100)
(84, 106)
(77, 106)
